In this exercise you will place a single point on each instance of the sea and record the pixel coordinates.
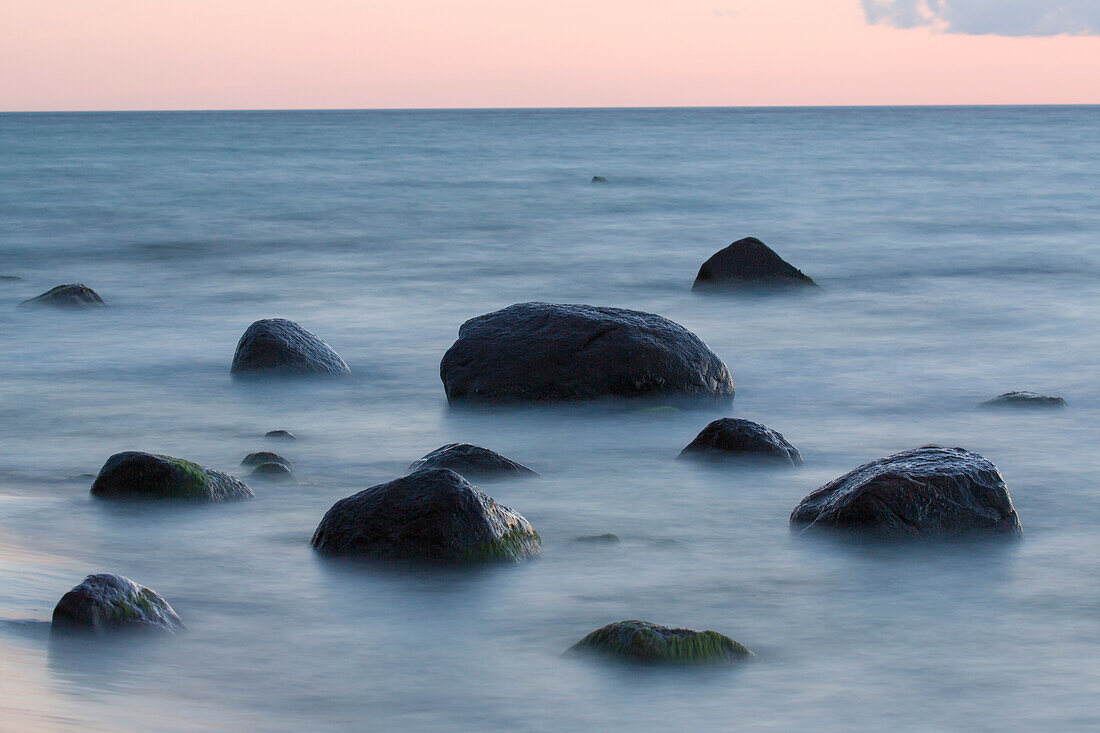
(957, 251)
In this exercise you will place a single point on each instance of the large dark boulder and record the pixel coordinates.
(137, 475)
(545, 351)
(104, 603)
(276, 346)
(732, 437)
(471, 461)
(929, 491)
(1025, 399)
(748, 262)
(76, 295)
(641, 641)
(433, 514)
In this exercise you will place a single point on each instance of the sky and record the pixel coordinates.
(313, 54)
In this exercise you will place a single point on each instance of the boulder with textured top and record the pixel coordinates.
(732, 437)
(278, 347)
(137, 475)
(471, 461)
(432, 514)
(105, 603)
(1025, 399)
(641, 641)
(548, 352)
(925, 492)
(76, 295)
(750, 263)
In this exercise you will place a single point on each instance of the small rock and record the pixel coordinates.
(278, 347)
(607, 538)
(280, 435)
(76, 295)
(599, 179)
(10, 278)
(1024, 399)
(256, 459)
(271, 470)
(641, 641)
(104, 603)
(471, 461)
(748, 262)
(137, 475)
(733, 437)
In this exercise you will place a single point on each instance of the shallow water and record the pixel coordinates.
(957, 254)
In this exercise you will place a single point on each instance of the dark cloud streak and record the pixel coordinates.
(990, 17)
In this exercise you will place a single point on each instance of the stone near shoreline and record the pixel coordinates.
(732, 437)
(471, 461)
(1025, 399)
(75, 295)
(136, 475)
(104, 603)
(434, 515)
(532, 352)
(924, 492)
(278, 347)
(750, 263)
(642, 641)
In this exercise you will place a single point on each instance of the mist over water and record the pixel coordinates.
(957, 255)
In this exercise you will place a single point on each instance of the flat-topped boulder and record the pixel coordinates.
(552, 352)
(433, 514)
(137, 475)
(74, 295)
(732, 437)
(278, 347)
(104, 603)
(928, 491)
(642, 641)
(748, 263)
(471, 461)
(1025, 399)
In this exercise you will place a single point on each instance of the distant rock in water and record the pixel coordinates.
(432, 514)
(10, 278)
(1025, 399)
(732, 437)
(105, 603)
(641, 641)
(76, 295)
(261, 457)
(280, 435)
(471, 461)
(278, 347)
(272, 470)
(600, 539)
(599, 179)
(928, 491)
(546, 351)
(137, 475)
(749, 263)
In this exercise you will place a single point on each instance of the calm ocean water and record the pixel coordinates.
(958, 252)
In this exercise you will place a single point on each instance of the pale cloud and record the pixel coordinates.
(990, 17)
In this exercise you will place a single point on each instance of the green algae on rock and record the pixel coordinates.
(106, 602)
(138, 475)
(642, 641)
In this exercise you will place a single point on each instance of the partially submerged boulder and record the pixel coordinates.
(928, 491)
(75, 295)
(271, 470)
(1025, 399)
(748, 262)
(471, 461)
(105, 603)
(137, 475)
(432, 514)
(261, 457)
(280, 435)
(599, 179)
(641, 641)
(547, 351)
(276, 346)
(732, 437)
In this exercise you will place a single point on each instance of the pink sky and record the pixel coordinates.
(244, 54)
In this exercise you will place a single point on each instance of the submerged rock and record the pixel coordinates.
(104, 603)
(280, 435)
(546, 351)
(606, 539)
(928, 491)
(76, 295)
(471, 461)
(271, 470)
(432, 514)
(599, 179)
(732, 437)
(276, 346)
(1024, 399)
(641, 641)
(261, 457)
(137, 475)
(748, 262)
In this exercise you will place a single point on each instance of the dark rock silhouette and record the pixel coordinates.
(732, 437)
(641, 641)
(471, 461)
(105, 603)
(76, 295)
(137, 475)
(599, 179)
(276, 346)
(280, 435)
(1025, 399)
(748, 262)
(271, 470)
(261, 457)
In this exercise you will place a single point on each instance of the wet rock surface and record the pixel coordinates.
(471, 461)
(732, 437)
(1025, 399)
(750, 263)
(432, 514)
(104, 603)
(279, 435)
(928, 491)
(261, 457)
(278, 347)
(271, 470)
(75, 295)
(549, 352)
(137, 475)
(641, 641)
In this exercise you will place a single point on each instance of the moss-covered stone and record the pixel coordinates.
(137, 475)
(104, 603)
(641, 641)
